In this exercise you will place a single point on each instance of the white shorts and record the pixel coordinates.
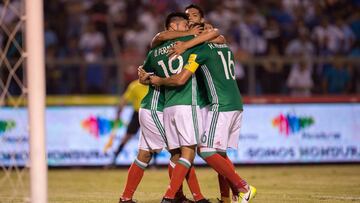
(152, 133)
(183, 125)
(204, 112)
(222, 130)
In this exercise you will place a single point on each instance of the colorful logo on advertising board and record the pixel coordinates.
(99, 126)
(290, 124)
(6, 126)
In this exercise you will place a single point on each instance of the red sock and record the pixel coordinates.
(234, 189)
(177, 177)
(180, 192)
(170, 168)
(230, 162)
(222, 166)
(194, 184)
(135, 174)
(223, 186)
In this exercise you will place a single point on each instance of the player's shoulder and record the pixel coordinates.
(201, 48)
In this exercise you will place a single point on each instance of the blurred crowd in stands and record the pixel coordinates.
(92, 31)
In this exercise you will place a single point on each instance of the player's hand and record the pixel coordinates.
(141, 71)
(177, 49)
(196, 30)
(143, 75)
(155, 80)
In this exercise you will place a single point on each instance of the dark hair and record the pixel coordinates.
(174, 16)
(197, 8)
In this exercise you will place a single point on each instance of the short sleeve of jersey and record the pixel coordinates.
(196, 57)
(147, 63)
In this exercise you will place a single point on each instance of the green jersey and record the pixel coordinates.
(155, 98)
(218, 68)
(164, 66)
(204, 100)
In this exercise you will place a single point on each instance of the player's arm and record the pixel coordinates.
(168, 35)
(181, 47)
(180, 78)
(219, 39)
(175, 80)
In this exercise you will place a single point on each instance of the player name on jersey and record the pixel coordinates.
(163, 50)
(220, 46)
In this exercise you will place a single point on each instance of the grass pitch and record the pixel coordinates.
(318, 183)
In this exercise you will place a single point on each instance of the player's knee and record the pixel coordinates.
(175, 155)
(205, 152)
(144, 156)
(188, 153)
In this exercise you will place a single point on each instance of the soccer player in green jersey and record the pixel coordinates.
(224, 118)
(151, 121)
(152, 137)
(180, 109)
(196, 21)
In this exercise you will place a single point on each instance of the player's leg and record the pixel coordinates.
(132, 129)
(216, 137)
(160, 139)
(223, 167)
(180, 171)
(233, 141)
(191, 179)
(135, 174)
(194, 186)
(224, 187)
(151, 140)
(174, 158)
(184, 134)
(223, 181)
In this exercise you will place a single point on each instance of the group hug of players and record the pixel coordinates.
(193, 105)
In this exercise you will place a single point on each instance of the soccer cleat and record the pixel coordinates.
(219, 200)
(223, 200)
(126, 201)
(167, 200)
(183, 199)
(247, 197)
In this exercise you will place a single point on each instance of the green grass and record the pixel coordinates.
(319, 183)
